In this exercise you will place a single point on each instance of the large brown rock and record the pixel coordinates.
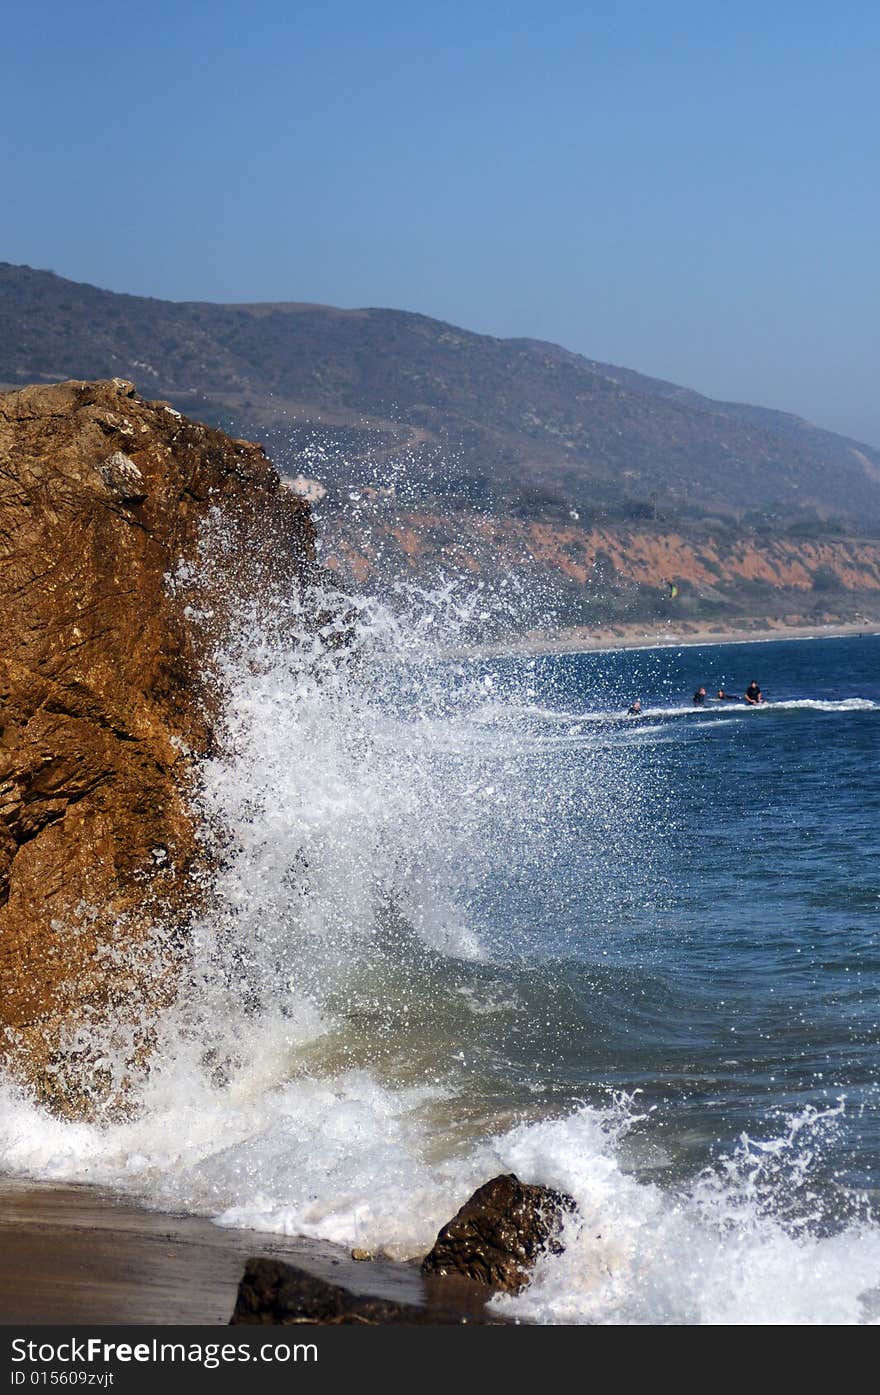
(102, 706)
(500, 1232)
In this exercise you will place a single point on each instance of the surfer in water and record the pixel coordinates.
(699, 697)
(722, 696)
(753, 694)
(635, 708)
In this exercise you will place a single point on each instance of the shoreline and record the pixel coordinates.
(72, 1254)
(684, 636)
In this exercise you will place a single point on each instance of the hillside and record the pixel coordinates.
(523, 427)
(438, 451)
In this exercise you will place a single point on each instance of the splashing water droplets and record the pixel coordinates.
(371, 1024)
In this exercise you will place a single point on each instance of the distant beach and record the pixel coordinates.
(682, 635)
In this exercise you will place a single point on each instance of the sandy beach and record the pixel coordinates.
(672, 636)
(81, 1255)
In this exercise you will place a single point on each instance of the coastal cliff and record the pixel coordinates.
(592, 577)
(102, 499)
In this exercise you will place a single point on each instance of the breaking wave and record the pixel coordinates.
(378, 1018)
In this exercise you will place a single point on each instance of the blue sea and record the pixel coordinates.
(737, 961)
(471, 917)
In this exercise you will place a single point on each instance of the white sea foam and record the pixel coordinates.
(740, 709)
(718, 1252)
(852, 704)
(577, 722)
(341, 1157)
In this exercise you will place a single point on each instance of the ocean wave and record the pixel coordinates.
(573, 718)
(352, 1052)
(346, 1159)
(722, 1251)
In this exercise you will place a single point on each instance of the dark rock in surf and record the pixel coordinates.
(274, 1293)
(500, 1232)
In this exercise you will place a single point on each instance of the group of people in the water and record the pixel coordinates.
(752, 696)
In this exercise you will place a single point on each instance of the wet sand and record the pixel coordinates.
(80, 1255)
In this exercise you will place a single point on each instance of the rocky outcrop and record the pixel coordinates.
(102, 498)
(500, 1232)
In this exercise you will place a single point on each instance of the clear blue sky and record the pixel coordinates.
(689, 189)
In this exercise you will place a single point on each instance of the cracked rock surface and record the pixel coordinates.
(102, 495)
(500, 1232)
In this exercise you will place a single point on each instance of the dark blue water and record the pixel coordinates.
(706, 916)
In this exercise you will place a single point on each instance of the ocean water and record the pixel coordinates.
(470, 918)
